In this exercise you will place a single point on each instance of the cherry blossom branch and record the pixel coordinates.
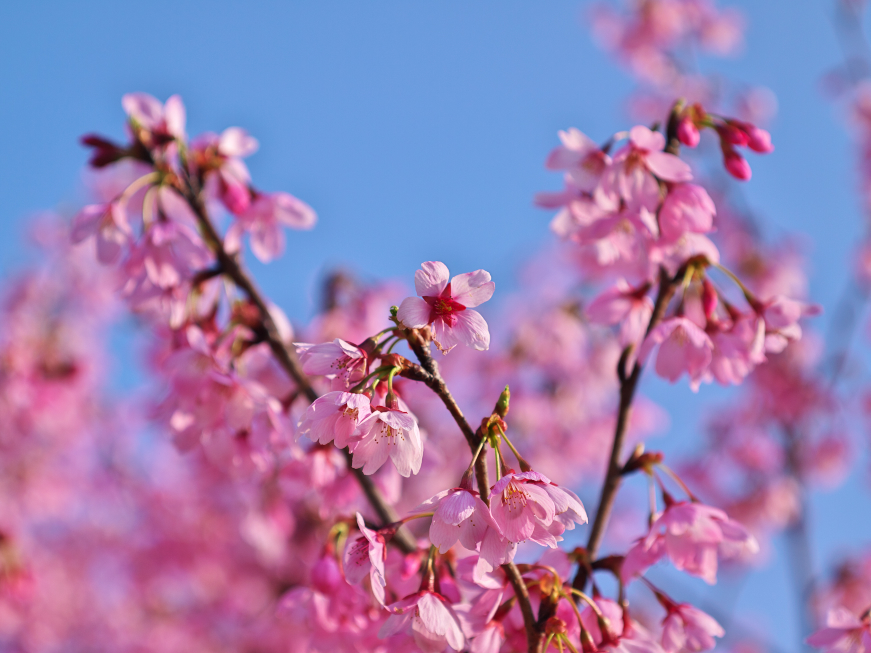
(628, 385)
(429, 374)
(432, 378)
(286, 357)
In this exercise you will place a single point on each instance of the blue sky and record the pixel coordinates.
(418, 132)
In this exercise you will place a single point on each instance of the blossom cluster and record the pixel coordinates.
(380, 478)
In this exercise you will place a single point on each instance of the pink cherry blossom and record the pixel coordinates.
(458, 514)
(523, 509)
(164, 121)
(338, 360)
(389, 433)
(686, 628)
(581, 157)
(630, 176)
(445, 305)
(264, 219)
(692, 535)
(221, 155)
(844, 633)
(108, 222)
(738, 349)
(621, 304)
(683, 347)
(366, 555)
(336, 415)
(687, 207)
(429, 618)
(781, 316)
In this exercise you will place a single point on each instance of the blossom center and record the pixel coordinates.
(390, 433)
(514, 497)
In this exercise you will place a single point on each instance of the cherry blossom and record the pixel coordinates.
(458, 514)
(686, 628)
(844, 631)
(683, 348)
(388, 433)
(429, 618)
(335, 416)
(445, 305)
(692, 535)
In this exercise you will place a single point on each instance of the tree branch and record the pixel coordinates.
(285, 355)
(628, 386)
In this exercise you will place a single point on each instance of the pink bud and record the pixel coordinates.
(737, 165)
(687, 132)
(709, 299)
(733, 135)
(759, 140)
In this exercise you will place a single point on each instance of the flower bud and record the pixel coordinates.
(687, 132)
(737, 165)
(502, 404)
(709, 299)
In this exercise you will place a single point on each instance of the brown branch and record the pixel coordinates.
(628, 386)
(285, 355)
(533, 636)
(432, 378)
(429, 374)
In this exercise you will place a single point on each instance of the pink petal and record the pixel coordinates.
(87, 221)
(293, 212)
(472, 288)
(267, 241)
(235, 141)
(668, 167)
(174, 115)
(414, 312)
(472, 330)
(442, 534)
(457, 507)
(645, 139)
(431, 279)
(144, 108)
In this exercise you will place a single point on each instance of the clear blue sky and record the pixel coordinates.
(419, 129)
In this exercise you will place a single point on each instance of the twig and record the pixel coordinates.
(628, 386)
(428, 373)
(285, 355)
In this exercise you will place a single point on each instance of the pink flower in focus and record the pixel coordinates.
(621, 304)
(692, 535)
(844, 633)
(389, 433)
(522, 509)
(336, 415)
(430, 619)
(630, 177)
(445, 305)
(683, 347)
(263, 220)
(108, 222)
(687, 628)
(338, 360)
(366, 555)
(458, 514)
